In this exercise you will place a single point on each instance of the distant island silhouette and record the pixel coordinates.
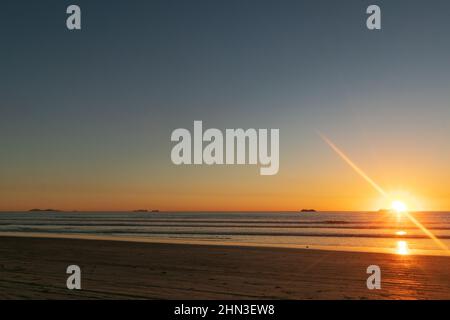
(308, 210)
(43, 210)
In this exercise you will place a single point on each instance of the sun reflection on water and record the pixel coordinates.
(402, 248)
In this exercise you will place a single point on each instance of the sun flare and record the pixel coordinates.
(399, 206)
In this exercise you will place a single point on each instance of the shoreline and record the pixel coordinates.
(184, 241)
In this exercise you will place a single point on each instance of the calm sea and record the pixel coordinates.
(359, 231)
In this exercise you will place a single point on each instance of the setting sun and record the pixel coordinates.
(398, 206)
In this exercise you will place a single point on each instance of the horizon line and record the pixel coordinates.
(203, 211)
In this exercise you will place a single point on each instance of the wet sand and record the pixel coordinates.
(34, 268)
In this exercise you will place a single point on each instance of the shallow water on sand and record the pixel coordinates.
(360, 231)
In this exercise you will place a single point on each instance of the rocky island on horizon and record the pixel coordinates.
(43, 210)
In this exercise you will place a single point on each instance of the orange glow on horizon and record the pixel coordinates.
(307, 179)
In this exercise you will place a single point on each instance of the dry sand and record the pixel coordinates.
(35, 268)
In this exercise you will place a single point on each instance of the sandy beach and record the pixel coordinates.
(34, 268)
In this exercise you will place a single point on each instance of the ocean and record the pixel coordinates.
(346, 231)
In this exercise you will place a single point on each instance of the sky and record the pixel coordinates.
(86, 116)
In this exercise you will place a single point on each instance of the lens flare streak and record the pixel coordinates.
(381, 191)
